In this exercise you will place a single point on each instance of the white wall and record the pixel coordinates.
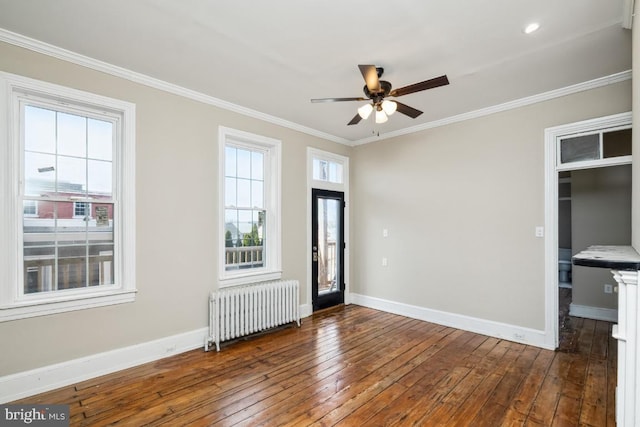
(461, 203)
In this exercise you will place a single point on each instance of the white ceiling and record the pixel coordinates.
(274, 56)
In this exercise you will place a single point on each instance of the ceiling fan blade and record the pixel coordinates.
(356, 119)
(337, 99)
(370, 75)
(417, 87)
(408, 111)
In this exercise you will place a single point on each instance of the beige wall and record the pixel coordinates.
(461, 203)
(600, 215)
(177, 212)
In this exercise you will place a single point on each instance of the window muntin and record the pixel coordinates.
(64, 149)
(250, 207)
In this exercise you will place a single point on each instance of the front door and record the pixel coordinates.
(327, 249)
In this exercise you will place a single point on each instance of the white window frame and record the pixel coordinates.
(13, 303)
(272, 149)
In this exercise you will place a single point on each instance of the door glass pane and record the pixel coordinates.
(580, 148)
(328, 235)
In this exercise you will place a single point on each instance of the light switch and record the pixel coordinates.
(385, 232)
(539, 231)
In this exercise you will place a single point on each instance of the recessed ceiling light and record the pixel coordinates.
(531, 28)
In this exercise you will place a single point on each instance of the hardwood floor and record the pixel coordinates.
(353, 366)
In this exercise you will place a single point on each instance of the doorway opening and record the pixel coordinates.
(327, 240)
(577, 153)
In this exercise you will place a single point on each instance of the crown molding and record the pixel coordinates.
(522, 102)
(94, 64)
(75, 58)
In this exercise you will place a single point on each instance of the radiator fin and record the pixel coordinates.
(244, 310)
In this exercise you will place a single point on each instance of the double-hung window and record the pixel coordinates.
(67, 196)
(250, 207)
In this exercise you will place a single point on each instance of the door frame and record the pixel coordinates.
(552, 136)
(306, 308)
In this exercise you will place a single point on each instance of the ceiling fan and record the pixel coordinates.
(377, 90)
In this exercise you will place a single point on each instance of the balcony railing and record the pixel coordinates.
(243, 257)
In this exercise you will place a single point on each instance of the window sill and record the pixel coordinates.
(249, 278)
(79, 302)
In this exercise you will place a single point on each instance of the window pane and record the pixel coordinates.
(244, 163)
(72, 175)
(39, 269)
(617, 143)
(244, 193)
(30, 207)
(99, 179)
(100, 136)
(230, 161)
(72, 135)
(580, 148)
(101, 265)
(39, 129)
(335, 172)
(257, 194)
(230, 227)
(244, 222)
(39, 173)
(230, 195)
(257, 165)
(72, 267)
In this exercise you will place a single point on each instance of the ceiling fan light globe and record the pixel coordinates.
(365, 111)
(381, 117)
(389, 107)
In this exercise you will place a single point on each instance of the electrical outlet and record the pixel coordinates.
(608, 289)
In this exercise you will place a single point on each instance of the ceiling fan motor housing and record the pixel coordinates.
(377, 96)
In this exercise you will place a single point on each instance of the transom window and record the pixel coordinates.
(250, 203)
(595, 148)
(327, 170)
(74, 152)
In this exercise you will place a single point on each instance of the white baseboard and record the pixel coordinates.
(24, 384)
(306, 310)
(595, 313)
(491, 328)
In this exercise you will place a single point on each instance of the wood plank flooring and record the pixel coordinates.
(354, 366)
